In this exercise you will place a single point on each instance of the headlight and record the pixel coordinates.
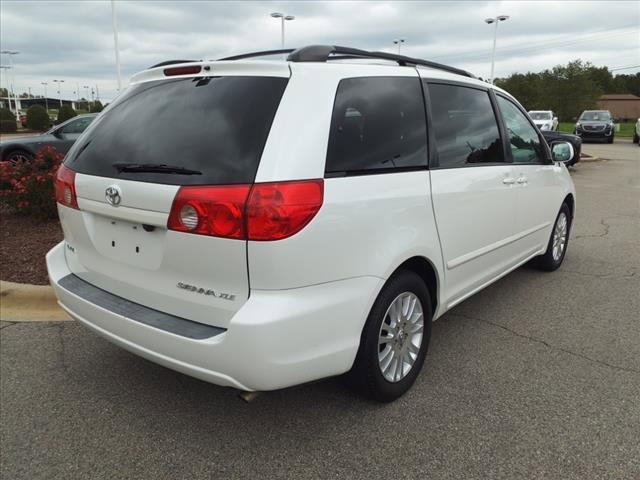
(578, 125)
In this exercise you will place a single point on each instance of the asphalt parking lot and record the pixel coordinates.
(538, 376)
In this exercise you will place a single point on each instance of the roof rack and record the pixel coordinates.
(258, 54)
(321, 53)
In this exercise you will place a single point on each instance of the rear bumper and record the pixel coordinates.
(279, 338)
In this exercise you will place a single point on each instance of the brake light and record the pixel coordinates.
(279, 210)
(190, 70)
(210, 210)
(263, 212)
(65, 188)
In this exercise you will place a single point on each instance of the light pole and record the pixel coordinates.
(282, 18)
(58, 82)
(46, 100)
(489, 21)
(5, 68)
(11, 53)
(86, 90)
(399, 42)
(114, 22)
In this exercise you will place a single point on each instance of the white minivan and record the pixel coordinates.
(261, 224)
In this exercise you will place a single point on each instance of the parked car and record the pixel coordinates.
(574, 140)
(61, 137)
(544, 119)
(264, 224)
(636, 133)
(595, 124)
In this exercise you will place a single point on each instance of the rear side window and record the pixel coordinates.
(378, 124)
(465, 126)
(216, 126)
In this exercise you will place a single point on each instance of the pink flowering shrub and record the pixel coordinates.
(27, 188)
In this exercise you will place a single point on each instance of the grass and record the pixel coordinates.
(626, 129)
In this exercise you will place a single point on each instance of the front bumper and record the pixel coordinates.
(595, 134)
(279, 338)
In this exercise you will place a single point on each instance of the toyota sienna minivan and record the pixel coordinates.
(260, 224)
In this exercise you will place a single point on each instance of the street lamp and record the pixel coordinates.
(11, 53)
(114, 23)
(5, 68)
(282, 18)
(489, 21)
(399, 42)
(46, 100)
(58, 82)
(86, 89)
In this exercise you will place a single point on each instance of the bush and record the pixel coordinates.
(96, 107)
(27, 187)
(37, 118)
(65, 113)
(7, 121)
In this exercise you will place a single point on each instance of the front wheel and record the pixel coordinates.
(610, 139)
(552, 258)
(394, 340)
(17, 156)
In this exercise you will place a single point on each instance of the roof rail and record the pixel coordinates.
(322, 53)
(258, 54)
(171, 62)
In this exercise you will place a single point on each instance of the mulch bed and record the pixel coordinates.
(24, 241)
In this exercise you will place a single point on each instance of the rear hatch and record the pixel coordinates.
(129, 165)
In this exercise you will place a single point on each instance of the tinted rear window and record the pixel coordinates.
(214, 125)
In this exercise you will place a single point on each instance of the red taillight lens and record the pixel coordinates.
(65, 187)
(213, 210)
(264, 211)
(190, 70)
(279, 210)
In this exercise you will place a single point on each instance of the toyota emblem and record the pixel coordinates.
(113, 195)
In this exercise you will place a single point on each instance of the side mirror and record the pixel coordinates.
(562, 151)
(57, 133)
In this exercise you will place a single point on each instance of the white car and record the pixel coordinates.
(544, 119)
(261, 224)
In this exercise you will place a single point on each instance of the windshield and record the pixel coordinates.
(216, 126)
(540, 115)
(595, 116)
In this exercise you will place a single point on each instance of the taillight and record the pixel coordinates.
(264, 211)
(279, 210)
(65, 188)
(212, 210)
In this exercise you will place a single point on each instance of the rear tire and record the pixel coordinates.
(394, 340)
(558, 242)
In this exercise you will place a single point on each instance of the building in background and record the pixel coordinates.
(623, 106)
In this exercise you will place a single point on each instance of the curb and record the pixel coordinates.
(585, 157)
(20, 302)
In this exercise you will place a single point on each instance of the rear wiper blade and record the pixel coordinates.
(153, 168)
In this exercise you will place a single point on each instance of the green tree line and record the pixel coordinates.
(567, 89)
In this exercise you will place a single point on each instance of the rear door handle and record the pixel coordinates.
(522, 180)
(508, 181)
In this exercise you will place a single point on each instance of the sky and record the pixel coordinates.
(73, 40)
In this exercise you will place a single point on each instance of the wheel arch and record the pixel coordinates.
(571, 203)
(9, 149)
(425, 269)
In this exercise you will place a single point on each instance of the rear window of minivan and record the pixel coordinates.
(215, 126)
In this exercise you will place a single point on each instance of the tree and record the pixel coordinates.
(96, 107)
(65, 113)
(7, 121)
(37, 118)
(4, 92)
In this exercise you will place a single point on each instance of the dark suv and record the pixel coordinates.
(595, 124)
